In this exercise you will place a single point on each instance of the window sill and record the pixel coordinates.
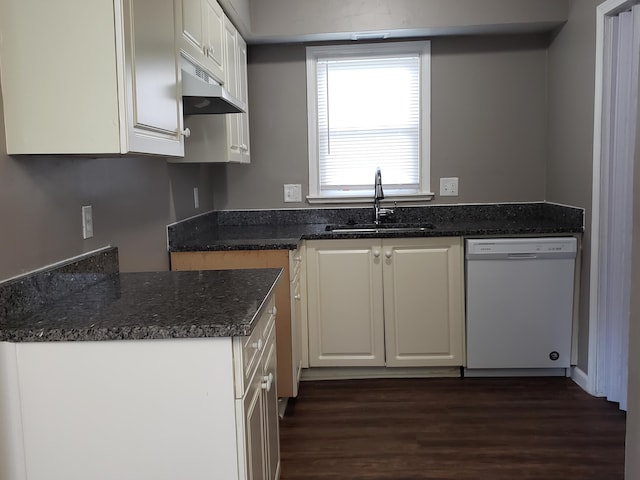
(417, 198)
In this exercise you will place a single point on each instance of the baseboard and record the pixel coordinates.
(515, 372)
(351, 373)
(580, 378)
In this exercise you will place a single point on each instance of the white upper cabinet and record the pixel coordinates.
(107, 84)
(200, 25)
(223, 138)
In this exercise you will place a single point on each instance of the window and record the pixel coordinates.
(368, 107)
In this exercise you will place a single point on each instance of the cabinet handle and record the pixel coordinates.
(274, 310)
(257, 345)
(267, 381)
(376, 253)
(186, 133)
(211, 51)
(298, 259)
(244, 147)
(388, 254)
(297, 297)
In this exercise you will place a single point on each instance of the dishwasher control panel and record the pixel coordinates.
(522, 247)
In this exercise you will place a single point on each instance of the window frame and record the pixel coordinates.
(313, 53)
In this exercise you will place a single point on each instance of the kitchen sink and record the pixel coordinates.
(385, 227)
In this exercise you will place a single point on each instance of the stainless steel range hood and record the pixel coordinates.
(202, 95)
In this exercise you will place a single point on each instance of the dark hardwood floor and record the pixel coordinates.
(409, 429)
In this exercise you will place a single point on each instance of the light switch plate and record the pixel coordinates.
(292, 192)
(449, 187)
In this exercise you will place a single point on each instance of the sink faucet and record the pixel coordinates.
(379, 213)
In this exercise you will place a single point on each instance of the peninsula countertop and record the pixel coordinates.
(155, 305)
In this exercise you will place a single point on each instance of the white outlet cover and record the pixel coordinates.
(449, 187)
(196, 198)
(292, 192)
(87, 222)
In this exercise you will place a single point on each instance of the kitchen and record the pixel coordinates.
(544, 155)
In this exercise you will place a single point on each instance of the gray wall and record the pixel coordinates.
(569, 167)
(278, 19)
(133, 200)
(489, 122)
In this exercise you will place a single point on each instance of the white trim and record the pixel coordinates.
(312, 54)
(606, 9)
(580, 378)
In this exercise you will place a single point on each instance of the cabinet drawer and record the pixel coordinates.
(248, 350)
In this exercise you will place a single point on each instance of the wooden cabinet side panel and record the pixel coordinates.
(236, 259)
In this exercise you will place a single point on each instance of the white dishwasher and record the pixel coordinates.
(519, 305)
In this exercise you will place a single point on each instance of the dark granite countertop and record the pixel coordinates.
(131, 306)
(283, 229)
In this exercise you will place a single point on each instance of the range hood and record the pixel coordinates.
(202, 95)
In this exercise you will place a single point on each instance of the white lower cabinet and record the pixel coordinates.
(258, 416)
(199, 408)
(393, 302)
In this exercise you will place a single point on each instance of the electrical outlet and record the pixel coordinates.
(292, 192)
(449, 187)
(87, 222)
(196, 198)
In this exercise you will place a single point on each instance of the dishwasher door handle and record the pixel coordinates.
(520, 256)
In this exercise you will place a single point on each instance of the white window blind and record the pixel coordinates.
(368, 107)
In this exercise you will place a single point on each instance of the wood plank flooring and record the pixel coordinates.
(410, 429)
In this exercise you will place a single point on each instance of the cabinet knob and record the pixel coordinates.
(257, 345)
(186, 133)
(274, 311)
(376, 253)
(388, 254)
(298, 258)
(297, 297)
(267, 382)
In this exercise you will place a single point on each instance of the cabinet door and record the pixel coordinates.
(153, 102)
(233, 119)
(214, 19)
(191, 26)
(423, 301)
(270, 404)
(255, 454)
(243, 122)
(344, 281)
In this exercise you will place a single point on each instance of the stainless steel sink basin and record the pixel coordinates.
(367, 228)
(380, 230)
